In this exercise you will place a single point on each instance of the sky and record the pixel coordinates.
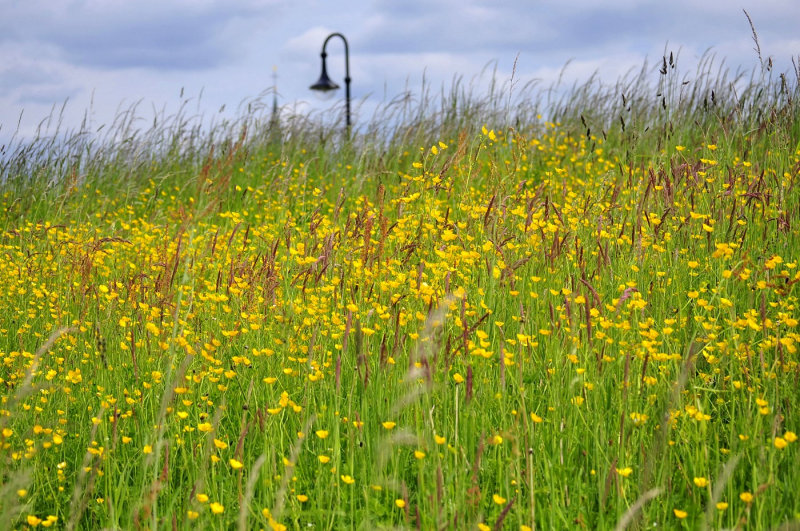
(104, 56)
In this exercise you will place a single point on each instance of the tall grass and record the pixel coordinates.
(531, 307)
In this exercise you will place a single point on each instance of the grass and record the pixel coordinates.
(464, 315)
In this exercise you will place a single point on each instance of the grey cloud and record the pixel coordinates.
(557, 31)
(15, 76)
(169, 35)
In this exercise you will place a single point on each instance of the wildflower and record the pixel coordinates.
(33, 520)
(721, 506)
(323, 459)
(638, 418)
(400, 502)
(780, 443)
(746, 497)
(419, 454)
(790, 436)
(680, 514)
(348, 479)
(217, 508)
(202, 498)
(625, 472)
(499, 500)
(205, 427)
(457, 378)
(221, 445)
(389, 424)
(302, 498)
(439, 439)
(147, 449)
(322, 434)
(701, 482)
(236, 465)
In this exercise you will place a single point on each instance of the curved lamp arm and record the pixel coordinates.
(325, 83)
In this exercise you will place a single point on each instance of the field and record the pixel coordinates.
(583, 320)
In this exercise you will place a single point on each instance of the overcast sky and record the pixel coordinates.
(105, 55)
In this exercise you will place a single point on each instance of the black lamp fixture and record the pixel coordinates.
(326, 84)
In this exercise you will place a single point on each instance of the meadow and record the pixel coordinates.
(513, 311)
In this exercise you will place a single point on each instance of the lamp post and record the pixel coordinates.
(325, 84)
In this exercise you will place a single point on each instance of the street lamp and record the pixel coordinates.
(325, 84)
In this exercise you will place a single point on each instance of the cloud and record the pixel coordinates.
(101, 52)
(169, 35)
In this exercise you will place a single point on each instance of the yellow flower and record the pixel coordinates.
(625, 472)
(722, 506)
(746, 497)
(419, 454)
(192, 515)
(302, 498)
(205, 427)
(790, 436)
(33, 520)
(348, 479)
(499, 500)
(322, 433)
(680, 514)
(457, 378)
(389, 424)
(536, 418)
(236, 465)
(400, 502)
(220, 444)
(701, 482)
(217, 508)
(439, 439)
(202, 498)
(780, 443)
(323, 459)
(147, 449)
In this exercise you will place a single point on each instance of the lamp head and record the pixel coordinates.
(324, 83)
